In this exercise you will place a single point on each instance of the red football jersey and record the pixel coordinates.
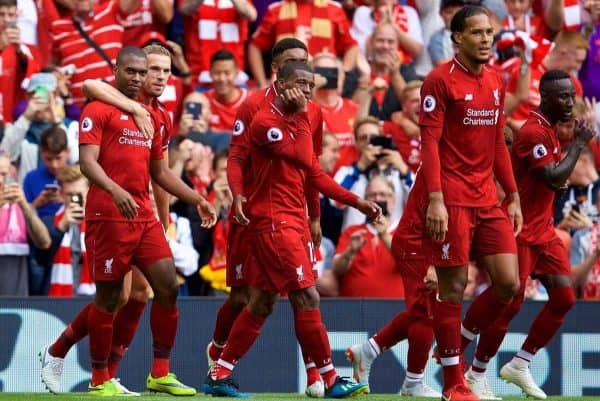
(162, 120)
(222, 115)
(464, 112)
(281, 147)
(140, 22)
(535, 146)
(239, 150)
(125, 157)
(339, 120)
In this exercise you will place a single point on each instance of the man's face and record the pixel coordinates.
(331, 153)
(560, 97)
(68, 189)
(54, 162)
(364, 133)
(296, 54)
(475, 43)
(385, 41)
(7, 15)
(411, 104)
(517, 8)
(159, 71)
(223, 74)
(130, 75)
(570, 60)
(379, 191)
(303, 80)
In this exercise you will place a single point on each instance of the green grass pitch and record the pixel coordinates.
(256, 397)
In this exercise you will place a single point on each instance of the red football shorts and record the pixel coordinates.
(311, 252)
(282, 261)
(472, 233)
(547, 258)
(113, 246)
(238, 260)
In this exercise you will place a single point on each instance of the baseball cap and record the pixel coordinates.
(42, 79)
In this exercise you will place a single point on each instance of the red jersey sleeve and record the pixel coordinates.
(93, 119)
(431, 118)
(156, 146)
(293, 144)
(239, 149)
(264, 37)
(326, 185)
(534, 147)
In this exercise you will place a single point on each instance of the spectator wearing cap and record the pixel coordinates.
(441, 48)
(212, 25)
(18, 61)
(150, 16)
(23, 137)
(92, 21)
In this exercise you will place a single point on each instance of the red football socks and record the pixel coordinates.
(100, 326)
(74, 332)
(163, 323)
(484, 310)
(549, 320)
(393, 332)
(446, 324)
(420, 338)
(244, 333)
(124, 328)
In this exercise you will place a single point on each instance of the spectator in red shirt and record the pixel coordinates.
(363, 262)
(210, 26)
(404, 129)
(17, 60)
(321, 24)
(225, 97)
(150, 16)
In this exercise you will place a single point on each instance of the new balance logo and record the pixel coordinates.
(108, 266)
(239, 275)
(124, 117)
(300, 273)
(468, 97)
(446, 251)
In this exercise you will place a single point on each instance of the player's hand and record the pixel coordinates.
(430, 280)
(369, 209)
(437, 218)
(315, 232)
(513, 209)
(142, 119)
(208, 215)
(238, 210)
(125, 203)
(584, 132)
(294, 97)
(357, 241)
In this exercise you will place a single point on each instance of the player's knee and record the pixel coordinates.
(512, 309)
(305, 299)
(238, 299)
(561, 300)
(141, 294)
(262, 309)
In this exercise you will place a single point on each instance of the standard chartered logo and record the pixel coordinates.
(22, 373)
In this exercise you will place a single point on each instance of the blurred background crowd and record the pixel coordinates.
(371, 57)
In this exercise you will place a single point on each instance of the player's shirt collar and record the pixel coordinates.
(541, 118)
(463, 67)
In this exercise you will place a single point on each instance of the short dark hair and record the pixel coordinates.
(8, 3)
(550, 76)
(291, 67)
(286, 44)
(459, 21)
(222, 55)
(130, 51)
(221, 154)
(54, 139)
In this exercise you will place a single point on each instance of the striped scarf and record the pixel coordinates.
(61, 279)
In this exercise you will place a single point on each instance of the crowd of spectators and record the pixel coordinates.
(370, 57)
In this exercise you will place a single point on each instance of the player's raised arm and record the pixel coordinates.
(100, 90)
